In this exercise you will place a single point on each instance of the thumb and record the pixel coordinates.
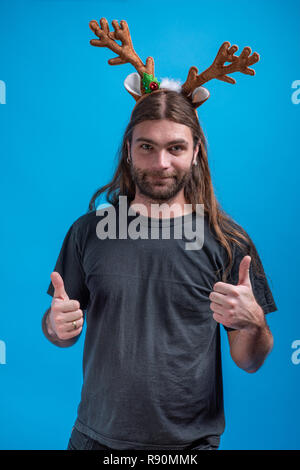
(244, 276)
(59, 287)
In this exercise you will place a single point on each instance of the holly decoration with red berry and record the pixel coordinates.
(150, 83)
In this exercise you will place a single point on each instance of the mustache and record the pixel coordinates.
(159, 174)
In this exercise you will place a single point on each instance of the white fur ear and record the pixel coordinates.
(170, 84)
(132, 83)
(199, 95)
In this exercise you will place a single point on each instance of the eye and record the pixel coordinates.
(178, 147)
(141, 146)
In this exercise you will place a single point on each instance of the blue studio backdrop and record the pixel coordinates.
(63, 111)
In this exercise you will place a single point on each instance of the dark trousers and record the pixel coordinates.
(80, 441)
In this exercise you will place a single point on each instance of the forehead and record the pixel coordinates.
(161, 131)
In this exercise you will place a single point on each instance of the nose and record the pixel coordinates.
(161, 160)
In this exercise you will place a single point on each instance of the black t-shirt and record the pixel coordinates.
(152, 376)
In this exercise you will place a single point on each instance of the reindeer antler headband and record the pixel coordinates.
(143, 82)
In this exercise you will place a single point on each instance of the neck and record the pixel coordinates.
(174, 207)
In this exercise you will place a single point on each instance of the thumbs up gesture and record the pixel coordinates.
(65, 317)
(235, 306)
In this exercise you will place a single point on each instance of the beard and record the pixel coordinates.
(159, 186)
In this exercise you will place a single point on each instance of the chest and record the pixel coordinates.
(162, 270)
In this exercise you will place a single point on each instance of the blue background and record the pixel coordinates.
(65, 113)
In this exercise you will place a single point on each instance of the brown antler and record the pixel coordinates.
(126, 52)
(219, 70)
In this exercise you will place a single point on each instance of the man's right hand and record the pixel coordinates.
(65, 316)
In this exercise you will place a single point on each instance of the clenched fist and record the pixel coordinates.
(65, 319)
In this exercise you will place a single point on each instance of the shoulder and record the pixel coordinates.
(91, 217)
(86, 223)
(229, 228)
(84, 220)
(234, 242)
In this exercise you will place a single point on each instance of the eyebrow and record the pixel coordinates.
(176, 141)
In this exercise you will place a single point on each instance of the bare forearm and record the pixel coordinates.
(251, 347)
(51, 336)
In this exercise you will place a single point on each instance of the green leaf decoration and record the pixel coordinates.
(147, 79)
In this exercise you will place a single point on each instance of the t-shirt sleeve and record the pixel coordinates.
(69, 266)
(260, 285)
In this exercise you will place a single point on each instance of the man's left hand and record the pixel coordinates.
(234, 305)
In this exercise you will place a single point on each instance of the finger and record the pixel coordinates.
(225, 288)
(59, 287)
(221, 299)
(70, 306)
(70, 326)
(218, 318)
(222, 320)
(216, 308)
(74, 333)
(65, 306)
(244, 268)
(70, 334)
(72, 316)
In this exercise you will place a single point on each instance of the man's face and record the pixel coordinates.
(162, 158)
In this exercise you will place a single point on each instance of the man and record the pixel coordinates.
(152, 358)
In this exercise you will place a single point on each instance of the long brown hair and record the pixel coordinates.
(169, 104)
